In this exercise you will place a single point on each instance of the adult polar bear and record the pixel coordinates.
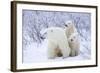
(57, 42)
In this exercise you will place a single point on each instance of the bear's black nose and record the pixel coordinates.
(66, 25)
(71, 39)
(42, 37)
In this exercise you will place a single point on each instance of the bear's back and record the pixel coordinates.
(56, 33)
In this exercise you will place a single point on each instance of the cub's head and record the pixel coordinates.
(73, 38)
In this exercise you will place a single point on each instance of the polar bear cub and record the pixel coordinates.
(74, 44)
(57, 42)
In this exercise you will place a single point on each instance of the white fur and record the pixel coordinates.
(57, 40)
(74, 44)
(72, 34)
(70, 29)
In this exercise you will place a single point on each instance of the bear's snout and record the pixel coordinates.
(42, 37)
(71, 39)
(66, 25)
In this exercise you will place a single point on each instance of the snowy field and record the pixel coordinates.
(38, 53)
(35, 48)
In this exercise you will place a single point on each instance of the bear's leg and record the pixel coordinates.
(51, 53)
(58, 52)
(65, 49)
(76, 52)
(51, 50)
(77, 49)
(73, 53)
(65, 53)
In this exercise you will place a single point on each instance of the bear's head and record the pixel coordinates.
(43, 34)
(73, 38)
(68, 23)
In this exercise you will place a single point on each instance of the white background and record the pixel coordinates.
(5, 37)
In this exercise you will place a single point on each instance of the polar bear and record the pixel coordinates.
(74, 44)
(70, 28)
(73, 37)
(57, 43)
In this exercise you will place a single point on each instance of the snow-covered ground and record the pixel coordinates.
(38, 53)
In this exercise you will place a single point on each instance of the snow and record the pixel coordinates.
(38, 53)
(35, 53)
